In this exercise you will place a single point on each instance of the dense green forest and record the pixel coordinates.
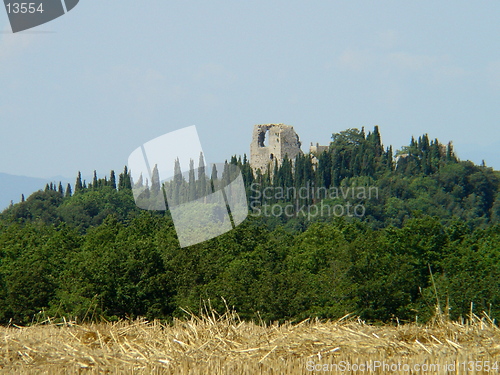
(430, 235)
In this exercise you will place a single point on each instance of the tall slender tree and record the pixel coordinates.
(94, 181)
(124, 180)
(202, 178)
(68, 190)
(155, 181)
(78, 183)
(192, 181)
(60, 189)
(112, 179)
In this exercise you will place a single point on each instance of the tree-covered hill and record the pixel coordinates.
(86, 250)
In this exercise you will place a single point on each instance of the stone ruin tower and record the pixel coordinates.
(272, 142)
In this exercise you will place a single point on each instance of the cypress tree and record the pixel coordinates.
(201, 166)
(413, 146)
(68, 191)
(192, 181)
(94, 181)
(226, 175)
(258, 180)
(425, 143)
(308, 168)
(139, 183)
(362, 133)
(78, 183)
(299, 171)
(112, 179)
(124, 181)
(60, 189)
(450, 155)
(276, 172)
(286, 173)
(377, 142)
(213, 178)
(246, 171)
(155, 181)
(202, 181)
(389, 159)
(177, 196)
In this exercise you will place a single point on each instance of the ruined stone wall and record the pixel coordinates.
(317, 149)
(272, 142)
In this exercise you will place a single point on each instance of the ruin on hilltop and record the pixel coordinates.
(274, 142)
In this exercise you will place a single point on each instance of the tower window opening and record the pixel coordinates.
(263, 141)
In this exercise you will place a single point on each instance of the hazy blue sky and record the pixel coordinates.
(82, 92)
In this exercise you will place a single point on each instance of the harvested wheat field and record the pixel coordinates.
(213, 344)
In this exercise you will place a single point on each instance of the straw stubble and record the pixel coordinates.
(223, 344)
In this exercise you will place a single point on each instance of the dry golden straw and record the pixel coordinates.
(223, 344)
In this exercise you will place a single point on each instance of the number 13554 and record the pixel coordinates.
(24, 8)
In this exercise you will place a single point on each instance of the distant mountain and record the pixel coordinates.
(11, 187)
